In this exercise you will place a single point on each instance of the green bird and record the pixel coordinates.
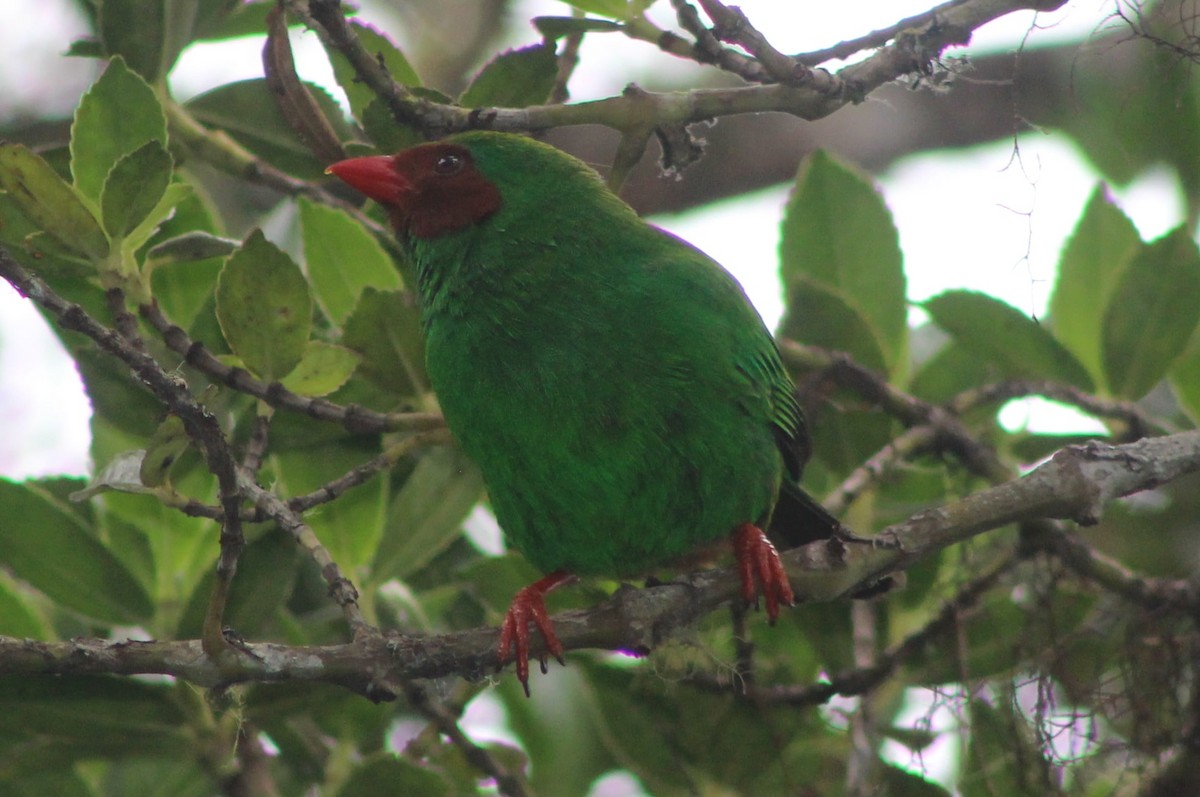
(622, 398)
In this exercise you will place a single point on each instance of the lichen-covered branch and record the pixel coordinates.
(818, 94)
(1075, 484)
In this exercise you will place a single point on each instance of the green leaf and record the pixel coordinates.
(647, 725)
(558, 27)
(342, 258)
(1001, 757)
(17, 618)
(1092, 261)
(266, 574)
(823, 315)
(1018, 345)
(117, 115)
(351, 526)
(134, 187)
(385, 775)
(380, 47)
(116, 400)
(951, 370)
(246, 110)
(176, 194)
(165, 448)
(150, 34)
(264, 307)
(838, 236)
(381, 128)
(323, 369)
(49, 775)
(987, 637)
(38, 251)
(514, 79)
(133, 30)
(171, 552)
(616, 9)
(902, 783)
(219, 20)
(1185, 379)
(155, 777)
(1152, 314)
(49, 203)
(427, 514)
(385, 330)
(189, 247)
(1144, 114)
(96, 716)
(188, 235)
(47, 545)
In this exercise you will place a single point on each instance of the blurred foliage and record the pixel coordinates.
(1051, 684)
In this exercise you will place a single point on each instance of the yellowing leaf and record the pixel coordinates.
(323, 369)
(49, 202)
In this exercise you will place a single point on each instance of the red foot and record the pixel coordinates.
(527, 606)
(761, 570)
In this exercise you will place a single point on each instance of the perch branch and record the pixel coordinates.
(821, 94)
(1076, 483)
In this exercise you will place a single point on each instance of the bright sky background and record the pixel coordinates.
(973, 218)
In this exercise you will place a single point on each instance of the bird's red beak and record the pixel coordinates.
(374, 176)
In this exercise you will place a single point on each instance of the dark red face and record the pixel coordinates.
(429, 191)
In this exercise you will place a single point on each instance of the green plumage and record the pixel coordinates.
(623, 399)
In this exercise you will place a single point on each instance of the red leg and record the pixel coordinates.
(761, 570)
(529, 605)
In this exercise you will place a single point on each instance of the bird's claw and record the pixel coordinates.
(529, 605)
(761, 569)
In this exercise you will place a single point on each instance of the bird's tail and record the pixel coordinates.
(799, 519)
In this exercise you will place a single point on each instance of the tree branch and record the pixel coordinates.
(1076, 483)
(821, 94)
(352, 417)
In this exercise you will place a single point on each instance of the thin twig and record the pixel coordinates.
(862, 679)
(256, 447)
(123, 321)
(352, 417)
(201, 427)
(731, 25)
(568, 60)
(341, 589)
(876, 38)
(509, 783)
(362, 473)
(822, 93)
(1138, 422)
(327, 492)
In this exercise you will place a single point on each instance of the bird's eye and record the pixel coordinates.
(447, 164)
